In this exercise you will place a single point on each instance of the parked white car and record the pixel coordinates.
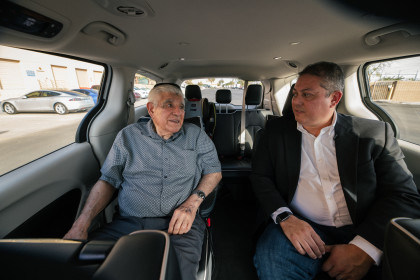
(141, 92)
(61, 102)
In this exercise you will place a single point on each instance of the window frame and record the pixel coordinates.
(366, 96)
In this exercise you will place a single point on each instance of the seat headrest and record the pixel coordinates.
(193, 92)
(287, 108)
(223, 96)
(253, 95)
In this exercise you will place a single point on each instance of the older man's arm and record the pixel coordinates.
(99, 197)
(184, 215)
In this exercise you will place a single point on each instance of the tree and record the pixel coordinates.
(377, 70)
(211, 80)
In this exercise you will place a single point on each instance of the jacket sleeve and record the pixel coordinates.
(263, 177)
(396, 193)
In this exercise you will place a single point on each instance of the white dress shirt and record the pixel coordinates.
(319, 195)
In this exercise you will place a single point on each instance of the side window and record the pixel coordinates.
(52, 93)
(394, 85)
(142, 86)
(33, 94)
(25, 120)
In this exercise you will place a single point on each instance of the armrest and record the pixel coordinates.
(402, 249)
(42, 259)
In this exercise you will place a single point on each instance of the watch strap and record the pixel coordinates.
(283, 216)
(200, 194)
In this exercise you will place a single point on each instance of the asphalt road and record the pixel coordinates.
(407, 118)
(34, 135)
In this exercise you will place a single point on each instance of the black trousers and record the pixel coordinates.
(187, 246)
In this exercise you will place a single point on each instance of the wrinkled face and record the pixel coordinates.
(311, 105)
(167, 114)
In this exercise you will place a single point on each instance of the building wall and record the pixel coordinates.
(33, 71)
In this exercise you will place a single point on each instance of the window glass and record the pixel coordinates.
(26, 123)
(33, 94)
(142, 86)
(394, 85)
(209, 87)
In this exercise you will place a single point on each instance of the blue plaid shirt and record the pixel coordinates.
(155, 175)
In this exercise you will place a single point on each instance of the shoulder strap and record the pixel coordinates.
(130, 103)
(242, 135)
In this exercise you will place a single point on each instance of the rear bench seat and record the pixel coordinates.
(228, 130)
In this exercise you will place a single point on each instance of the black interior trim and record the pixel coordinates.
(53, 221)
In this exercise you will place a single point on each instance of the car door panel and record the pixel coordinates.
(32, 195)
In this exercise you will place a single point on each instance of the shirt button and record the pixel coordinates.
(165, 177)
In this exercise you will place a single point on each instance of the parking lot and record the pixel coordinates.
(35, 135)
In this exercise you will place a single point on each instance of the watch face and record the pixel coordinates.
(201, 194)
(282, 216)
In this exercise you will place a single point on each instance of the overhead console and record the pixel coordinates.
(27, 21)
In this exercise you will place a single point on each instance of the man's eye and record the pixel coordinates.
(307, 95)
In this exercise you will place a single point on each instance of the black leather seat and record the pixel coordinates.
(228, 132)
(254, 118)
(145, 254)
(193, 103)
(401, 259)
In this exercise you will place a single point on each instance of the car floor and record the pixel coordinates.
(233, 231)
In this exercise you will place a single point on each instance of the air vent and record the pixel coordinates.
(131, 11)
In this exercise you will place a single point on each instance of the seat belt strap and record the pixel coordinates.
(130, 103)
(242, 135)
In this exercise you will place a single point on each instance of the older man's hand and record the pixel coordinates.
(347, 262)
(184, 216)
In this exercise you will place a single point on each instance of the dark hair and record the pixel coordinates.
(331, 73)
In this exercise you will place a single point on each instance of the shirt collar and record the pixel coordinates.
(328, 130)
(149, 130)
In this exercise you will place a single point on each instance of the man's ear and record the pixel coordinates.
(336, 97)
(150, 108)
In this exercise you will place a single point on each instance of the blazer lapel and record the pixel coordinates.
(346, 145)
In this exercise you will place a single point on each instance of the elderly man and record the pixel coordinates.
(163, 169)
(330, 183)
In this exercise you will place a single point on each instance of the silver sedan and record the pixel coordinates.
(59, 101)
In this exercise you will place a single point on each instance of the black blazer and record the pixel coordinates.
(376, 183)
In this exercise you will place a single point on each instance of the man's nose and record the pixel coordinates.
(178, 110)
(297, 99)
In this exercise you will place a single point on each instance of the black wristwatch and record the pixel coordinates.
(283, 216)
(200, 194)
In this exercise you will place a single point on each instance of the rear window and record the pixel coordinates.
(209, 87)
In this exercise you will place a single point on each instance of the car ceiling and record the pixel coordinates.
(237, 38)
